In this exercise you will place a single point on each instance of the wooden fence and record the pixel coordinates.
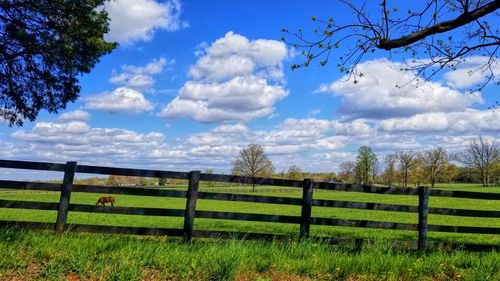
(305, 220)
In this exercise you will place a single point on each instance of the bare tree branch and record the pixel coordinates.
(425, 34)
(252, 161)
(445, 26)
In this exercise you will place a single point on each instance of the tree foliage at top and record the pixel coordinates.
(407, 162)
(44, 47)
(481, 155)
(251, 162)
(365, 164)
(390, 168)
(347, 170)
(295, 173)
(441, 33)
(435, 162)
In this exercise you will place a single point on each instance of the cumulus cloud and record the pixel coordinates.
(121, 100)
(241, 99)
(49, 129)
(467, 121)
(236, 55)
(313, 144)
(234, 79)
(231, 129)
(140, 78)
(216, 148)
(471, 72)
(376, 96)
(358, 127)
(76, 115)
(285, 143)
(137, 20)
(78, 141)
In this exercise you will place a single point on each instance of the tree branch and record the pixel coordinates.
(463, 19)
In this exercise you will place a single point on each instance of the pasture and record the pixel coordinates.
(42, 255)
(275, 209)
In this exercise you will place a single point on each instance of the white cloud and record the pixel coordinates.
(139, 77)
(54, 133)
(357, 128)
(50, 129)
(313, 144)
(8, 151)
(58, 142)
(467, 121)
(76, 115)
(121, 100)
(78, 141)
(137, 20)
(375, 95)
(231, 129)
(235, 55)
(314, 126)
(234, 79)
(471, 72)
(241, 99)
(288, 140)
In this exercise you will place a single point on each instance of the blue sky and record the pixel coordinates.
(193, 82)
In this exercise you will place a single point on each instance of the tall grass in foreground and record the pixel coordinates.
(41, 255)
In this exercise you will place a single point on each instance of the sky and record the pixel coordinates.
(194, 82)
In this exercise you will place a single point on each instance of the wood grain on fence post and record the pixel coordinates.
(307, 196)
(67, 186)
(423, 210)
(192, 196)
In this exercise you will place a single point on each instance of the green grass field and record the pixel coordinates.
(278, 228)
(41, 255)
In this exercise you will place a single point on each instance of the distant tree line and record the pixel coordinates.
(479, 162)
(252, 161)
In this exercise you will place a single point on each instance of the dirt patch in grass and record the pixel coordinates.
(272, 276)
(151, 274)
(30, 273)
(73, 277)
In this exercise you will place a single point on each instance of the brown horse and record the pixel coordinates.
(106, 199)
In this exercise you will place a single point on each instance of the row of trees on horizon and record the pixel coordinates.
(479, 162)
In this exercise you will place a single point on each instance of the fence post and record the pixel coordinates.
(423, 210)
(307, 196)
(67, 186)
(192, 195)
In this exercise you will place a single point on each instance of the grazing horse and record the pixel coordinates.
(103, 200)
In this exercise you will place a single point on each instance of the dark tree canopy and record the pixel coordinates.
(440, 33)
(44, 46)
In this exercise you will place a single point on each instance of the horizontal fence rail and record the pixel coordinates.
(465, 194)
(249, 198)
(28, 165)
(241, 216)
(14, 164)
(306, 203)
(26, 185)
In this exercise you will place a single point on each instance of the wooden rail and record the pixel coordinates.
(190, 213)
